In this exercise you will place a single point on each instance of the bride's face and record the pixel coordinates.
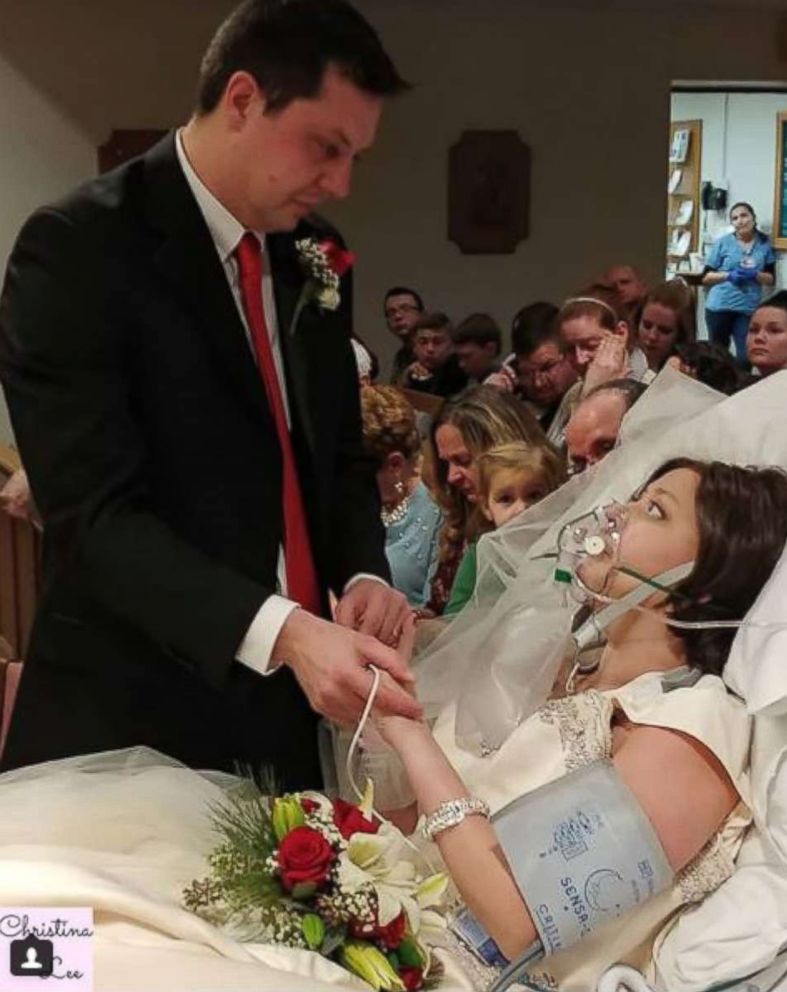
(661, 532)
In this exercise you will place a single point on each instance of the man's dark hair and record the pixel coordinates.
(629, 389)
(403, 291)
(436, 321)
(712, 365)
(478, 328)
(287, 45)
(532, 326)
(777, 300)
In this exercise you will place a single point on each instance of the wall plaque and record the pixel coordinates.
(488, 192)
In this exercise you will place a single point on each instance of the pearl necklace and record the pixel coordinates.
(397, 514)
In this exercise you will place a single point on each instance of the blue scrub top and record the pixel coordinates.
(727, 254)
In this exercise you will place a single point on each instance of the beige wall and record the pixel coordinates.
(585, 84)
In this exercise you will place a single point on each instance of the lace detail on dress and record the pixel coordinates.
(712, 866)
(584, 723)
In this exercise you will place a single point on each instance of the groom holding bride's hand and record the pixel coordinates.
(174, 347)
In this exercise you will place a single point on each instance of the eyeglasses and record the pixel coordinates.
(541, 371)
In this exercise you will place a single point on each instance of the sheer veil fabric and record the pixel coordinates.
(497, 660)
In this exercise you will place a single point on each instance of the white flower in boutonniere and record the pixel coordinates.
(324, 263)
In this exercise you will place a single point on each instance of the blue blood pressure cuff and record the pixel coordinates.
(582, 852)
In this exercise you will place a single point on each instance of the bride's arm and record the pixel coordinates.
(680, 785)
(470, 849)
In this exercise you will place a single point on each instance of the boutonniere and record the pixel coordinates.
(323, 264)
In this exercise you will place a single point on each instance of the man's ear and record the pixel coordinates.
(491, 349)
(240, 95)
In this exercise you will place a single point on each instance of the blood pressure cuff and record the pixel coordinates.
(582, 852)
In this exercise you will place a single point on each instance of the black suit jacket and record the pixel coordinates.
(143, 423)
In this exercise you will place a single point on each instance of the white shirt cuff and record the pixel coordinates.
(363, 575)
(257, 646)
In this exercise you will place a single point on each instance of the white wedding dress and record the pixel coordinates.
(124, 832)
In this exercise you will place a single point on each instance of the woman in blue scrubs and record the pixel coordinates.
(736, 269)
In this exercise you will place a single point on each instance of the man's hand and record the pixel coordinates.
(417, 372)
(611, 361)
(330, 663)
(374, 608)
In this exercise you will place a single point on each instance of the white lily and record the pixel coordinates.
(375, 860)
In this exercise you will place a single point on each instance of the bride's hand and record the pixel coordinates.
(406, 646)
(394, 730)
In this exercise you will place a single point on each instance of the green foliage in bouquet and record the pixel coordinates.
(305, 872)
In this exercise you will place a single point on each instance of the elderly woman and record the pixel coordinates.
(652, 718)
(480, 418)
(410, 516)
(737, 268)
(766, 341)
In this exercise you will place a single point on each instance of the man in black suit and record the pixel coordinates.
(175, 351)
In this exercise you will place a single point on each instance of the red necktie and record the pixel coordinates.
(302, 584)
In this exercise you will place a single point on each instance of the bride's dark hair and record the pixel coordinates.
(742, 523)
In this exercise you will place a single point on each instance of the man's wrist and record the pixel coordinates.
(286, 646)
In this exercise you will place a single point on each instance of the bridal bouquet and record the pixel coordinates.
(307, 872)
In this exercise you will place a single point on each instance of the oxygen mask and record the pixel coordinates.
(588, 552)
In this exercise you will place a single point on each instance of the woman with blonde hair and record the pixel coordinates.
(409, 514)
(480, 418)
(511, 477)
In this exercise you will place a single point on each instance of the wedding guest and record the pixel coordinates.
(627, 283)
(737, 268)
(480, 418)
(511, 477)
(402, 307)
(630, 288)
(710, 364)
(599, 346)
(544, 372)
(667, 320)
(593, 429)
(410, 516)
(477, 345)
(435, 369)
(766, 342)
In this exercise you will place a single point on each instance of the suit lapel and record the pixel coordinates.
(188, 260)
(287, 286)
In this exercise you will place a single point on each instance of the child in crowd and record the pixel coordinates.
(436, 369)
(511, 477)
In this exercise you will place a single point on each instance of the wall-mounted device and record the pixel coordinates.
(713, 197)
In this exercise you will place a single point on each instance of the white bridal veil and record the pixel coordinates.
(497, 660)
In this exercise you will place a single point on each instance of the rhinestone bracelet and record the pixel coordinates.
(451, 813)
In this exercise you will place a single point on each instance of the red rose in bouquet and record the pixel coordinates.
(305, 857)
(412, 978)
(350, 820)
(392, 934)
(339, 259)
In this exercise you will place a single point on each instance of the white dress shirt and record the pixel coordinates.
(256, 648)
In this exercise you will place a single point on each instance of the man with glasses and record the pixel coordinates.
(544, 372)
(402, 307)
